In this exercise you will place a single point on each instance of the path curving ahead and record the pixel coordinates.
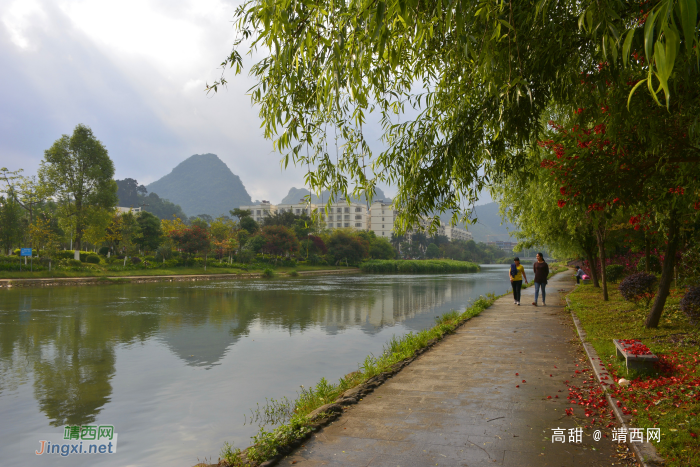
(459, 404)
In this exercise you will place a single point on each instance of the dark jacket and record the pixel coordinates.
(541, 271)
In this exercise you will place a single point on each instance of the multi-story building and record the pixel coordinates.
(505, 246)
(122, 210)
(260, 211)
(302, 207)
(382, 217)
(342, 215)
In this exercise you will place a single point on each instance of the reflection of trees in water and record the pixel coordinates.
(66, 339)
(66, 336)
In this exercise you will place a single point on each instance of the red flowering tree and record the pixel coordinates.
(613, 156)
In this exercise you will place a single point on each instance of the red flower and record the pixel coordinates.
(561, 203)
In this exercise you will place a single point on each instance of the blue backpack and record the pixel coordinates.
(513, 270)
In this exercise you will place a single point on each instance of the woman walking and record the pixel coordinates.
(516, 274)
(541, 270)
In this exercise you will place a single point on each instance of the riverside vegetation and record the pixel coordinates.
(667, 397)
(292, 417)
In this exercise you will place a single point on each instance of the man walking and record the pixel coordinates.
(516, 274)
(541, 270)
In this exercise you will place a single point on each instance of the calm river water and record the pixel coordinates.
(175, 366)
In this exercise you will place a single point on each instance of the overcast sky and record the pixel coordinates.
(135, 72)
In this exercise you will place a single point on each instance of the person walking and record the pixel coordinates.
(541, 270)
(516, 274)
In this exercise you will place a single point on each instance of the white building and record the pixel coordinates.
(260, 211)
(302, 207)
(382, 217)
(122, 210)
(342, 215)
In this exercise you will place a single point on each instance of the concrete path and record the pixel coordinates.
(460, 405)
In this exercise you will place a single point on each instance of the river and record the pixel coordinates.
(175, 366)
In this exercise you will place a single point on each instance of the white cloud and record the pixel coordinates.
(18, 17)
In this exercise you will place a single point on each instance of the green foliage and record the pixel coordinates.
(690, 303)
(418, 267)
(78, 172)
(149, 234)
(93, 259)
(293, 273)
(614, 272)
(380, 248)
(433, 251)
(160, 207)
(268, 273)
(248, 224)
(202, 184)
(347, 248)
(103, 251)
(11, 227)
(654, 264)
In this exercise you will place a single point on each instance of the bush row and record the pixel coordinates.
(418, 266)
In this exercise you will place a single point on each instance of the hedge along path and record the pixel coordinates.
(480, 397)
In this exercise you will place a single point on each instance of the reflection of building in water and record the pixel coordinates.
(386, 305)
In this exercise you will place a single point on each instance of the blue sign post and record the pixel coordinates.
(26, 252)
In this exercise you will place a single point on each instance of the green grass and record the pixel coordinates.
(292, 416)
(430, 266)
(669, 396)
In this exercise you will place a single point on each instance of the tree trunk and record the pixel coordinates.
(647, 252)
(594, 267)
(657, 308)
(600, 237)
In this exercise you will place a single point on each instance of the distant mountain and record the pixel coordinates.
(489, 226)
(202, 184)
(295, 194)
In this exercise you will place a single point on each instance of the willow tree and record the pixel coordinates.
(458, 86)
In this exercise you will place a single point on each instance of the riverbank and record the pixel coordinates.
(424, 266)
(457, 403)
(179, 276)
(669, 397)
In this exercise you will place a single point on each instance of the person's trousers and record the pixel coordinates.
(517, 286)
(537, 291)
(578, 280)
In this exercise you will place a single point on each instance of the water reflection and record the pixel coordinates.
(66, 342)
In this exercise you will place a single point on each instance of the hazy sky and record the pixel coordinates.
(135, 72)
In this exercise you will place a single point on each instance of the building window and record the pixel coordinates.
(347, 209)
(382, 228)
(358, 217)
(298, 211)
(382, 219)
(347, 224)
(347, 218)
(258, 212)
(357, 224)
(358, 209)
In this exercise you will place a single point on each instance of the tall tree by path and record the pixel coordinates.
(78, 173)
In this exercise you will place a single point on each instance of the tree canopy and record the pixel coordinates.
(459, 87)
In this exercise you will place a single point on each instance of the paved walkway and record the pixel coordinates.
(459, 404)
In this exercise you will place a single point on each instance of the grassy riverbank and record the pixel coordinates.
(291, 417)
(669, 397)
(96, 271)
(429, 266)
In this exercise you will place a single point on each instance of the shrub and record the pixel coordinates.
(654, 264)
(135, 260)
(70, 264)
(164, 252)
(293, 273)
(268, 273)
(614, 272)
(639, 287)
(245, 256)
(690, 303)
(103, 251)
(94, 259)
